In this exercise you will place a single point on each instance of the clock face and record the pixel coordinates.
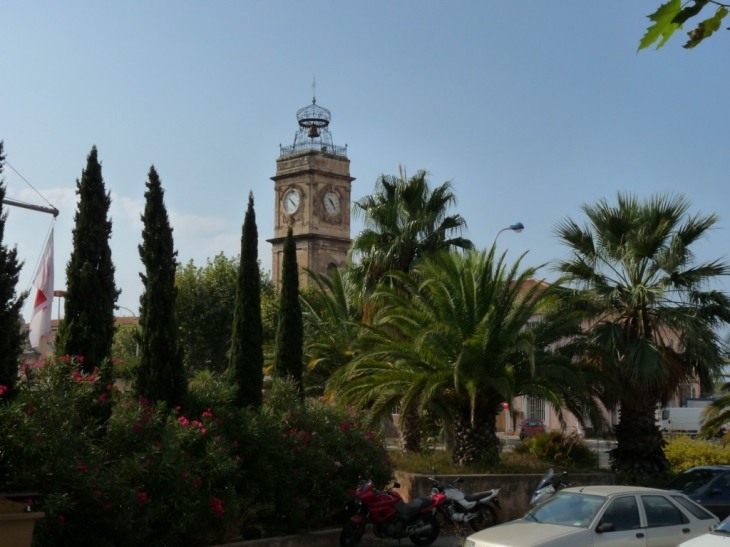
(291, 201)
(331, 202)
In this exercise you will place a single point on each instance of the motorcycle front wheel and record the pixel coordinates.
(486, 518)
(427, 538)
(352, 533)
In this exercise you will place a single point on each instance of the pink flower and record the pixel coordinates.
(158, 444)
(107, 506)
(216, 506)
(108, 387)
(62, 519)
(25, 367)
(203, 431)
(141, 497)
(3, 390)
(137, 428)
(338, 464)
(197, 484)
(178, 408)
(102, 397)
(183, 421)
(185, 476)
(97, 493)
(82, 468)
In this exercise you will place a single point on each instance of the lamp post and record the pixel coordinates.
(516, 227)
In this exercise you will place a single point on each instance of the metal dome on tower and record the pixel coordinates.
(313, 132)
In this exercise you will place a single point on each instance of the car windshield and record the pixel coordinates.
(723, 527)
(692, 480)
(568, 509)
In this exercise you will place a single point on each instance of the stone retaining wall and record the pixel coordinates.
(515, 494)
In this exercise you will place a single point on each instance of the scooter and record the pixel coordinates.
(479, 510)
(548, 485)
(392, 517)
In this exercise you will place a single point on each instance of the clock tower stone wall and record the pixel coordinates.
(312, 195)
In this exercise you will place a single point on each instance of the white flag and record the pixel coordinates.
(40, 321)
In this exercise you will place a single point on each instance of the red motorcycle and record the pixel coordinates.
(392, 517)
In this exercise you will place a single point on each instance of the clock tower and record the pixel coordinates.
(312, 195)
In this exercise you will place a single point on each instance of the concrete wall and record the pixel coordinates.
(515, 494)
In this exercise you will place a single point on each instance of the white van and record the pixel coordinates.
(681, 420)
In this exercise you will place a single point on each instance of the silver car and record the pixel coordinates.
(603, 516)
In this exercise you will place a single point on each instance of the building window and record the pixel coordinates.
(536, 408)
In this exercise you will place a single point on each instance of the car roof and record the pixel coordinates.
(610, 490)
(713, 467)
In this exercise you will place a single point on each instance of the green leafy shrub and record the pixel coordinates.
(206, 472)
(559, 449)
(684, 453)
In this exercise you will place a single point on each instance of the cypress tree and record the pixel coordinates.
(246, 359)
(161, 374)
(87, 328)
(290, 332)
(11, 337)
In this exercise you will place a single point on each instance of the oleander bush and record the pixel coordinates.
(116, 470)
(562, 450)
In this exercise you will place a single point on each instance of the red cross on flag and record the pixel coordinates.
(40, 321)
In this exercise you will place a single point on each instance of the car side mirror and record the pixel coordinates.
(605, 527)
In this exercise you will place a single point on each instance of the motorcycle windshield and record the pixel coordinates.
(547, 479)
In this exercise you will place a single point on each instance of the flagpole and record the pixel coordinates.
(50, 210)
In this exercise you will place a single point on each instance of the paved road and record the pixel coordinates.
(445, 539)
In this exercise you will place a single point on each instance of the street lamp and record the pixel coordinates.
(516, 227)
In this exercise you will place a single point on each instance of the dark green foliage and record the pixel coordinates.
(247, 350)
(205, 303)
(290, 334)
(160, 375)
(564, 450)
(208, 473)
(87, 328)
(11, 337)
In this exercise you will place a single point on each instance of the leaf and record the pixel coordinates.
(689, 12)
(664, 25)
(706, 28)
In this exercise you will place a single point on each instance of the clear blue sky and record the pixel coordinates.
(530, 108)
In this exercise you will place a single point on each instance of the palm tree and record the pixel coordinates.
(453, 338)
(653, 320)
(404, 220)
(332, 313)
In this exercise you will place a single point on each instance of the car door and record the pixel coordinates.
(666, 525)
(716, 497)
(620, 525)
